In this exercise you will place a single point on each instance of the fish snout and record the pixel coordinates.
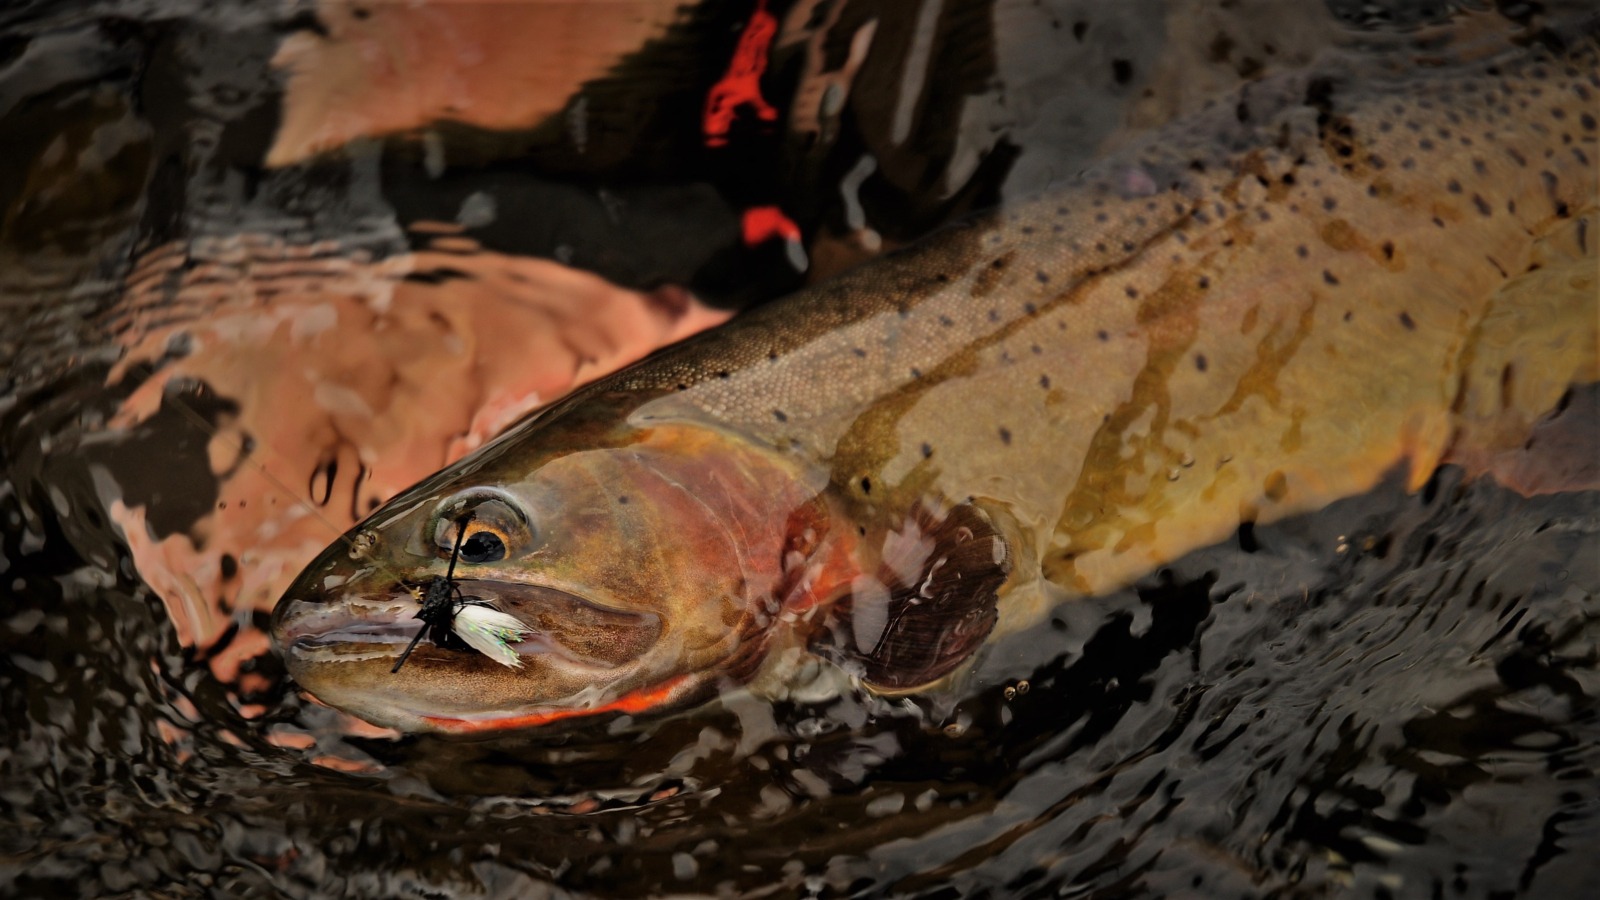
(306, 621)
(339, 591)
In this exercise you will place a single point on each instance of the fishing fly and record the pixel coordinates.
(454, 621)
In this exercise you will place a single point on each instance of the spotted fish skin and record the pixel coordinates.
(1245, 318)
(1257, 312)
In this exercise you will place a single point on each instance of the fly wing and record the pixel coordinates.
(490, 632)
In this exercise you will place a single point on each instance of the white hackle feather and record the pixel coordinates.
(490, 632)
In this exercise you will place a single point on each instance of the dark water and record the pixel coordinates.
(1396, 696)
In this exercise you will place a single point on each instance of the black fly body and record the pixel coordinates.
(440, 602)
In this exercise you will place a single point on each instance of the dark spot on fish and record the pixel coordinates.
(998, 262)
(1101, 218)
(1453, 186)
(1376, 161)
(994, 315)
(1200, 362)
(866, 485)
(1288, 178)
(1479, 167)
(1329, 278)
(1131, 291)
(682, 386)
(1388, 250)
(1203, 282)
(623, 499)
(1587, 121)
(942, 278)
(916, 372)
(772, 355)
(1102, 335)
(1121, 70)
(945, 321)
(1005, 435)
(1042, 277)
(1027, 229)
(927, 450)
(1301, 251)
(1029, 308)
(1044, 382)
(723, 374)
(1348, 315)
(1100, 247)
(1481, 204)
(1078, 30)
(1328, 204)
(779, 415)
(230, 566)
(1247, 537)
(1276, 486)
(1407, 321)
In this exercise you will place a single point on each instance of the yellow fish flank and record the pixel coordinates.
(1390, 273)
(1253, 314)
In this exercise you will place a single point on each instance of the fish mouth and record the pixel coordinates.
(562, 627)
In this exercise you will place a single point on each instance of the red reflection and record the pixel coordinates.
(763, 223)
(741, 86)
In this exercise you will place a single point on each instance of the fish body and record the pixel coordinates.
(1254, 313)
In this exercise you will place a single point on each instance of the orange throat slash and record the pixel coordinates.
(665, 694)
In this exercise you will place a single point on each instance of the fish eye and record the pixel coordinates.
(494, 528)
(483, 545)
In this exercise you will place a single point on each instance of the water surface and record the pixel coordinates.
(1395, 696)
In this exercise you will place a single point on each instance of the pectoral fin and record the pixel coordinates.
(929, 605)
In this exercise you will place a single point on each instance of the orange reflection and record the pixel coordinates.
(353, 379)
(386, 68)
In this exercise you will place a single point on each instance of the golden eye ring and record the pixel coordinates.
(496, 527)
(484, 543)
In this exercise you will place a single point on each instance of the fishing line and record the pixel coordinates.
(438, 613)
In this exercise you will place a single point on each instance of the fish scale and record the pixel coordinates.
(1258, 311)
(1133, 373)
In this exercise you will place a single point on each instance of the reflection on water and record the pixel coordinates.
(1395, 695)
(377, 374)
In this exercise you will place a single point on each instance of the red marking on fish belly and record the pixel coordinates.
(763, 223)
(741, 85)
(643, 700)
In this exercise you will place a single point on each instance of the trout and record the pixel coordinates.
(1255, 312)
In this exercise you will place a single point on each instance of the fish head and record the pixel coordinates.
(644, 566)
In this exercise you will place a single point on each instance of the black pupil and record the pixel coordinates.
(483, 546)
